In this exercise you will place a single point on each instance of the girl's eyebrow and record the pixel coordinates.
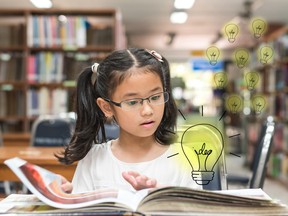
(132, 94)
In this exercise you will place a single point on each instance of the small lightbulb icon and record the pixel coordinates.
(202, 145)
(265, 54)
(220, 79)
(241, 57)
(258, 27)
(213, 54)
(252, 78)
(258, 104)
(231, 31)
(234, 103)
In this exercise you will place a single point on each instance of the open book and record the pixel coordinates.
(45, 185)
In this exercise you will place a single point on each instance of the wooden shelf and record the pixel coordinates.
(42, 57)
(16, 139)
(73, 49)
(273, 85)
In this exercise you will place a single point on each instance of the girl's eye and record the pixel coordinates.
(132, 102)
(155, 97)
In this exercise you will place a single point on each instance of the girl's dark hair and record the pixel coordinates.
(110, 73)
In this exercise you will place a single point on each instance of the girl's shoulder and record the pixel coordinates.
(97, 153)
(100, 147)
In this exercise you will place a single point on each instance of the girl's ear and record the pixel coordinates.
(105, 107)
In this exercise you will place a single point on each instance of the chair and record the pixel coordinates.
(52, 130)
(111, 131)
(260, 159)
(219, 181)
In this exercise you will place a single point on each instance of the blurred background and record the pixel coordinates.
(228, 63)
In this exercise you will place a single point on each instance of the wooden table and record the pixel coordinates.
(41, 156)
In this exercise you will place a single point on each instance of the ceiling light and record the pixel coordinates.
(183, 4)
(42, 3)
(178, 17)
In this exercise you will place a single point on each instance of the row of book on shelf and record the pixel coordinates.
(71, 31)
(12, 35)
(39, 102)
(278, 164)
(59, 31)
(11, 66)
(47, 67)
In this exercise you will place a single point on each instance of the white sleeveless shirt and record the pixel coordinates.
(101, 169)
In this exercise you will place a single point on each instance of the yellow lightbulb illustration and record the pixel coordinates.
(258, 103)
(258, 27)
(220, 79)
(251, 78)
(213, 54)
(234, 103)
(202, 145)
(265, 54)
(241, 57)
(231, 31)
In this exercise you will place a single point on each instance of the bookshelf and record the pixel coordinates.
(274, 82)
(41, 55)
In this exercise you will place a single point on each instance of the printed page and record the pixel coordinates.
(47, 187)
(29, 204)
(170, 195)
(257, 193)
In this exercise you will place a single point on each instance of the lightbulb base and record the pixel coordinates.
(240, 65)
(231, 40)
(213, 62)
(263, 61)
(257, 36)
(202, 177)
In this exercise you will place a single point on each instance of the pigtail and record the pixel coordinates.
(89, 120)
(165, 133)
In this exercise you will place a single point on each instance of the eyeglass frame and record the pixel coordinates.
(165, 93)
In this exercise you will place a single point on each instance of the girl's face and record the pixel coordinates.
(144, 121)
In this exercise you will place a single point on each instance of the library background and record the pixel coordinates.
(42, 52)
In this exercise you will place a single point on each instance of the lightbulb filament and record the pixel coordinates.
(251, 79)
(258, 103)
(220, 82)
(203, 152)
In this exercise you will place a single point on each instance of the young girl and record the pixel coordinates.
(131, 87)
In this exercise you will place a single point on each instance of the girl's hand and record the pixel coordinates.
(66, 185)
(139, 181)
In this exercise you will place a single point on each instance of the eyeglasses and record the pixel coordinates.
(136, 103)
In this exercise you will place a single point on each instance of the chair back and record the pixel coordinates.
(111, 131)
(52, 130)
(219, 181)
(262, 155)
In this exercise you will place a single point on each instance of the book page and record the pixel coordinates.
(181, 199)
(256, 193)
(47, 187)
(29, 204)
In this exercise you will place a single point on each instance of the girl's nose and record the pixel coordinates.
(146, 108)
